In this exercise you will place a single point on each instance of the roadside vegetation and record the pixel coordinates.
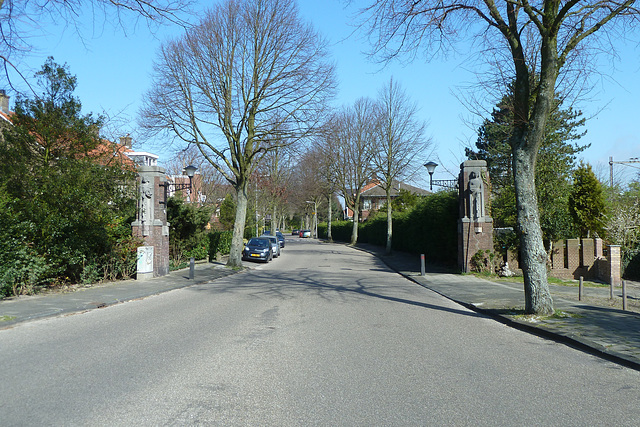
(66, 205)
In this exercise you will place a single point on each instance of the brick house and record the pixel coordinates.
(373, 197)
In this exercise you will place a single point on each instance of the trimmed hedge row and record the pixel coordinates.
(430, 228)
(631, 265)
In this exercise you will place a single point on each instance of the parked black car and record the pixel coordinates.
(280, 237)
(259, 249)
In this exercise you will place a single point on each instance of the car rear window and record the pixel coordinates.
(261, 243)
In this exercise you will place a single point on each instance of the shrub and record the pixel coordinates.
(340, 230)
(631, 264)
(429, 228)
(219, 241)
(483, 261)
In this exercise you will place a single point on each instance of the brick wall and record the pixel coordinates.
(573, 258)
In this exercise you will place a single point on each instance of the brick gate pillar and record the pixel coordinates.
(151, 222)
(475, 225)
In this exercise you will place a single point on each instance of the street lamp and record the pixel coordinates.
(315, 218)
(190, 171)
(431, 167)
(451, 184)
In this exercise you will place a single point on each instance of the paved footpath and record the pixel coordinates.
(26, 308)
(591, 325)
(609, 332)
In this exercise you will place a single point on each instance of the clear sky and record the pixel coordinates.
(114, 71)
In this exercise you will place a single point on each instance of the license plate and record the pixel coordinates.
(255, 255)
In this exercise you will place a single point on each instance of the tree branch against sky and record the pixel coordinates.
(250, 78)
(351, 141)
(22, 21)
(540, 38)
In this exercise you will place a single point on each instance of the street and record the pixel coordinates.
(323, 335)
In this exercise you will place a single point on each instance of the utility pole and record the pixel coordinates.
(624, 162)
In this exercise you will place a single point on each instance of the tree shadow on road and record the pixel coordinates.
(329, 286)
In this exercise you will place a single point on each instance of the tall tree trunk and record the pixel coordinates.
(528, 133)
(356, 216)
(329, 236)
(389, 220)
(274, 223)
(235, 255)
(532, 251)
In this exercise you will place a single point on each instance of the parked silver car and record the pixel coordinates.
(275, 245)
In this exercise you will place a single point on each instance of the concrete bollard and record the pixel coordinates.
(192, 268)
(611, 287)
(624, 296)
(422, 267)
(580, 288)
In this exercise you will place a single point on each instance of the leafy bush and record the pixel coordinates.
(631, 264)
(483, 261)
(66, 215)
(340, 230)
(219, 241)
(187, 236)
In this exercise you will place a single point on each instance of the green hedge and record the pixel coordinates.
(340, 230)
(219, 241)
(631, 265)
(430, 228)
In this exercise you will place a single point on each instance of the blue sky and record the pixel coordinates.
(114, 71)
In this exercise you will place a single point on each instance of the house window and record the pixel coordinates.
(366, 204)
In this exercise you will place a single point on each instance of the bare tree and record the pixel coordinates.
(402, 140)
(351, 143)
(542, 39)
(22, 20)
(326, 177)
(210, 183)
(250, 78)
(274, 176)
(312, 188)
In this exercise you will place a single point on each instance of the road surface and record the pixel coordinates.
(324, 335)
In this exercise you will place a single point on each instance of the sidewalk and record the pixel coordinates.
(25, 308)
(590, 324)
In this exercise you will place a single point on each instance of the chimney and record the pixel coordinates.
(4, 101)
(126, 141)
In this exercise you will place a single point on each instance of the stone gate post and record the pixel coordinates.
(475, 225)
(151, 222)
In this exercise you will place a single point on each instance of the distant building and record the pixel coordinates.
(373, 197)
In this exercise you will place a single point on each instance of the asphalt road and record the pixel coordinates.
(324, 335)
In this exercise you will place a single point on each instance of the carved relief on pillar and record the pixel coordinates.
(151, 220)
(146, 207)
(476, 196)
(475, 225)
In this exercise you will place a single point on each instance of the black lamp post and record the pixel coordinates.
(190, 171)
(451, 184)
(431, 167)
